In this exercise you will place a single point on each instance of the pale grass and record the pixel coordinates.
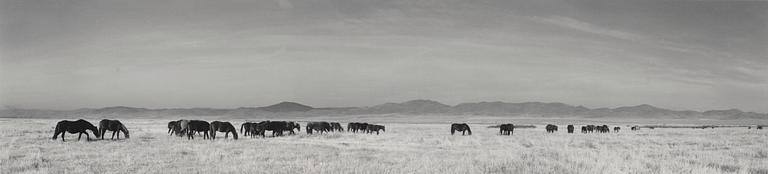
(405, 148)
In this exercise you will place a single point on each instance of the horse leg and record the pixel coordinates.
(87, 137)
(226, 135)
(79, 136)
(113, 134)
(118, 134)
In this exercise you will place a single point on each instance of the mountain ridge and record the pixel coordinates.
(411, 107)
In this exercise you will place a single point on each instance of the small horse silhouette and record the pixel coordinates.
(221, 126)
(462, 127)
(112, 125)
(73, 127)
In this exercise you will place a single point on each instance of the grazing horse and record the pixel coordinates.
(462, 127)
(583, 129)
(318, 126)
(351, 126)
(112, 125)
(634, 128)
(171, 125)
(590, 128)
(374, 127)
(336, 127)
(551, 128)
(570, 129)
(183, 127)
(605, 129)
(223, 126)
(289, 126)
(616, 129)
(247, 126)
(72, 127)
(277, 128)
(506, 129)
(760, 127)
(354, 127)
(198, 126)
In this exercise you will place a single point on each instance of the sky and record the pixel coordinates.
(676, 54)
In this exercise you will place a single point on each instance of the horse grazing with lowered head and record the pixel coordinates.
(506, 129)
(462, 127)
(616, 129)
(318, 126)
(112, 125)
(289, 126)
(172, 126)
(73, 127)
(336, 127)
(375, 128)
(222, 126)
(551, 128)
(195, 126)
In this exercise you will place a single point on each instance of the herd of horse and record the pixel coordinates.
(190, 128)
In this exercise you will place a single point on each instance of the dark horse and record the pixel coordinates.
(112, 125)
(583, 129)
(616, 129)
(277, 128)
(173, 127)
(336, 127)
(506, 129)
(374, 127)
(73, 127)
(222, 126)
(551, 128)
(198, 126)
(460, 127)
(247, 126)
(289, 126)
(570, 129)
(318, 126)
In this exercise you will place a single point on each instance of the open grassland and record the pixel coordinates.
(404, 148)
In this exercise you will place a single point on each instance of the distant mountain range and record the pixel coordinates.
(413, 107)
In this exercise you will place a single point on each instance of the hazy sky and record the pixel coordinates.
(65, 54)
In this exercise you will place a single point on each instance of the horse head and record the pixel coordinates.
(125, 131)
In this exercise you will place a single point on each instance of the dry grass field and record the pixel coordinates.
(405, 148)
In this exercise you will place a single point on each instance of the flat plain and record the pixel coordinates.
(407, 146)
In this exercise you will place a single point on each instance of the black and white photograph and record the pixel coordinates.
(384, 86)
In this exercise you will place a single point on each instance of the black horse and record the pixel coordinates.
(570, 129)
(603, 129)
(198, 126)
(590, 128)
(336, 127)
(462, 127)
(289, 126)
(583, 129)
(222, 126)
(277, 128)
(760, 127)
(354, 127)
(247, 126)
(374, 128)
(73, 127)
(318, 126)
(616, 129)
(506, 129)
(112, 125)
(551, 128)
(171, 125)
(634, 128)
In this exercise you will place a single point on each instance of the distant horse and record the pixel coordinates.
(183, 127)
(605, 129)
(506, 129)
(760, 127)
(112, 125)
(551, 128)
(277, 128)
(373, 127)
(198, 126)
(634, 128)
(570, 129)
(616, 129)
(289, 126)
(462, 127)
(336, 127)
(590, 128)
(247, 126)
(318, 126)
(354, 127)
(72, 127)
(222, 126)
(171, 125)
(583, 129)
